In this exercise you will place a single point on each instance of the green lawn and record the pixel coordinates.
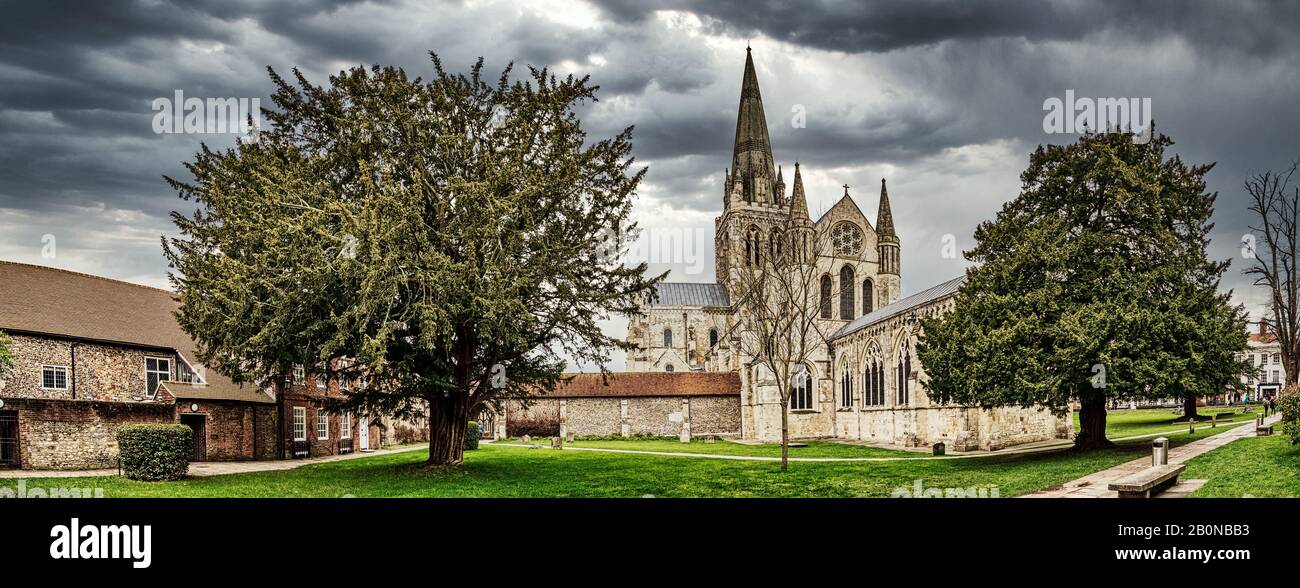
(495, 471)
(1128, 423)
(1254, 466)
(1120, 423)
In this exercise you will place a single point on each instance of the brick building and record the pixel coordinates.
(311, 430)
(91, 354)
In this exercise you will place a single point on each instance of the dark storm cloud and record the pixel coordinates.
(914, 89)
(854, 26)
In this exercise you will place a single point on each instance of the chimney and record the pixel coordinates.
(1263, 326)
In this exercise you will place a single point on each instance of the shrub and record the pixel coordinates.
(536, 426)
(155, 452)
(472, 436)
(405, 434)
(1289, 405)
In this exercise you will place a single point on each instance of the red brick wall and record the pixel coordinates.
(235, 430)
(320, 447)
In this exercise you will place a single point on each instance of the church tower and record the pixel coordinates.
(754, 204)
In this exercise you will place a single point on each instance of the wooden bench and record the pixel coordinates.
(1263, 430)
(1148, 482)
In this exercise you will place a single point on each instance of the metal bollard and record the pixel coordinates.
(1160, 452)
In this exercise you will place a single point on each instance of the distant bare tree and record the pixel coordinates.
(1276, 202)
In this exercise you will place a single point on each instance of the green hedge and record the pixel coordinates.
(1289, 405)
(472, 436)
(155, 452)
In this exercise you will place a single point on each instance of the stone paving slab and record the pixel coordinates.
(1096, 485)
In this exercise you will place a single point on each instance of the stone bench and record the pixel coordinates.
(1148, 482)
(1263, 430)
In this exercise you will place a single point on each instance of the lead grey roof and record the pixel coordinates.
(891, 310)
(691, 294)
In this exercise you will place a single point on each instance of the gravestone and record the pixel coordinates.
(710, 439)
(939, 448)
(569, 438)
(525, 439)
(557, 442)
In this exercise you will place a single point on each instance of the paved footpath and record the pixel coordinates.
(1096, 485)
(215, 468)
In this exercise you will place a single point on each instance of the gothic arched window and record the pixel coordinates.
(777, 243)
(904, 370)
(801, 389)
(713, 337)
(868, 292)
(846, 293)
(846, 385)
(668, 337)
(826, 297)
(876, 373)
(753, 247)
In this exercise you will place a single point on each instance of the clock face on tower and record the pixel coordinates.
(846, 238)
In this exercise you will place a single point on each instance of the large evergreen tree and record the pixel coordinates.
(6, 356)
(1093, 284)
(447, 241)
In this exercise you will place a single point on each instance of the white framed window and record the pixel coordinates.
(322, 424)
(345, 426)
(801, 394)
(54, 377)
(189, 374)
(299, 374)
(156, 371)
(299, 423)
(320, 381)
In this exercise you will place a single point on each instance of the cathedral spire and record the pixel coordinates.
(887, 245)
(752, 155)
(884, 218)
(798, 200)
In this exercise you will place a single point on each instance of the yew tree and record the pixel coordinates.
(451, 242)
(6, 356)
(1093, 284)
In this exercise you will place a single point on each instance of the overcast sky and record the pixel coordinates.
(944, 99)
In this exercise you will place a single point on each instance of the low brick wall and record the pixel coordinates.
(77, 434)
(659, 416)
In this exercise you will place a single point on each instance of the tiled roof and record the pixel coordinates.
(647, 384)
(50, 301)
(691, 294)
(889, 311)
(1265, 338)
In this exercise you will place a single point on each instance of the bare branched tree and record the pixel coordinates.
(1276, 203)
(781, 323)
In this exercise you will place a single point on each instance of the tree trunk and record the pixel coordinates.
(448, 420)
(1092, 424)
(1189, 408)
(785, 436)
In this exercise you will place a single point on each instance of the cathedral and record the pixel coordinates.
(865, 383)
